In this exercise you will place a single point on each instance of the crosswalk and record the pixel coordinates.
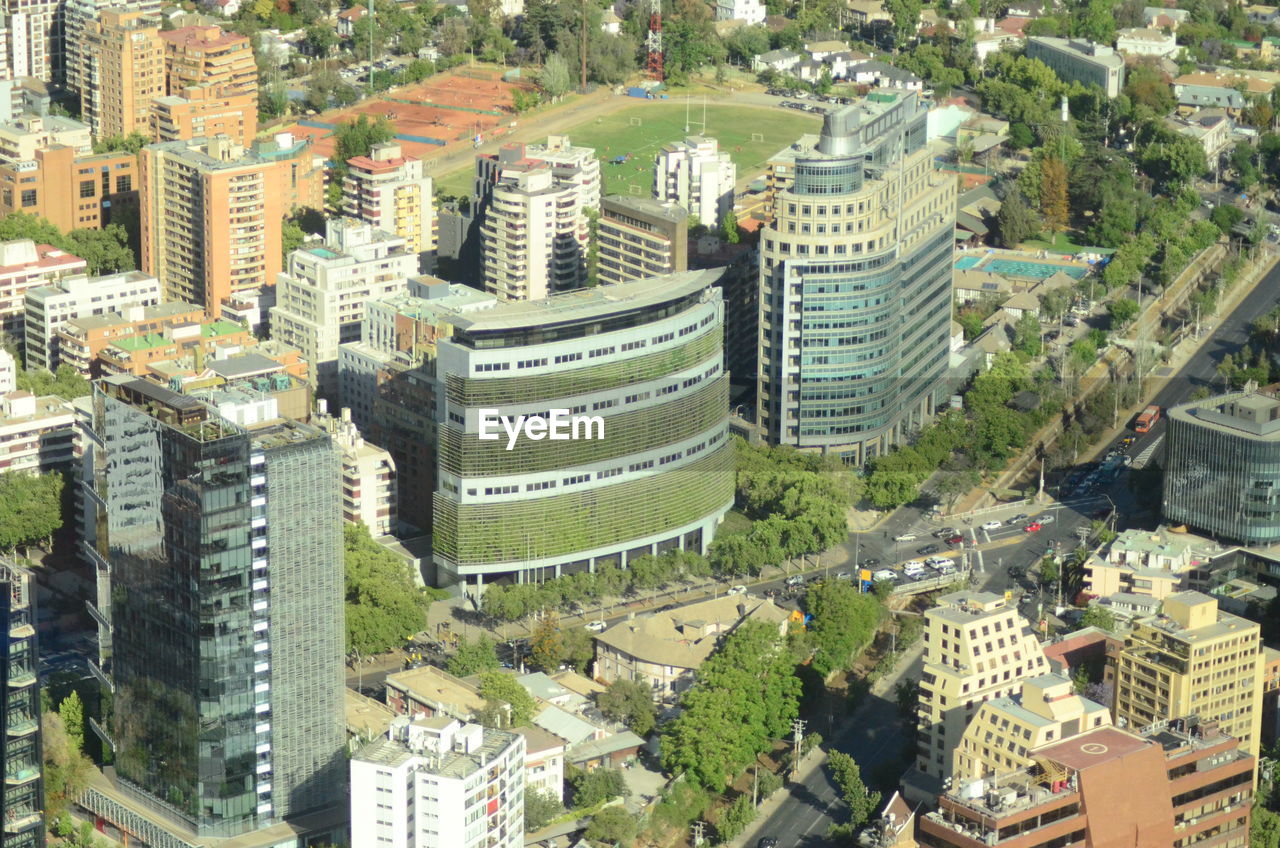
(1141, 460)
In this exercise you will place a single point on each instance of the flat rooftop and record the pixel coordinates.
(1093, 748)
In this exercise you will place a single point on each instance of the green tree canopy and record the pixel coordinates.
(630, 702)
(612, 826)
(506, 700)
(1099, 617)
(384, 606)
(1015, 220)
(848, 776)
(358, 136)
(844, 620)
(540, 807)
(473, 657)
(596, 786)
(67, 383)
(30, 508)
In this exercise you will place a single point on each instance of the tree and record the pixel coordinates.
(1099, 617)
(1015, 220)
(1053, 194)
(1122, 311)
(1026, 334)
(892, 489)
(131, 143)
(952, 484)
(66, 769)
(1049, 571)
(540, 807)
(735, 818)
(1055, 303)
(744, 697)
(291, 238)
(906, 19)
(844, 620)
(321, 38)
(67, 383)
(546, 646)
(515, 705)
(612, 826)
(71, 711)
(630, 702)
(30, 508)
(473, 657)
(106, 250)
(579, 648)
(554, 78)
(1226, 216)
(383, 606)
(596, 786)
(848, 776)
(358, 136)
(729, 227)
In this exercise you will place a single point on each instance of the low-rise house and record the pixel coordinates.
(1211, 128)
(589, 743)
(1263, 16)
(347, 19)
(544, 754)
(1202, 89)
(366, 718)
(1157, 564)
(781, 60)
(1137, 41)
(860, 14)
(1160, 17)
(665, 649)
(432, 691)
(987, 43)
(882, 75)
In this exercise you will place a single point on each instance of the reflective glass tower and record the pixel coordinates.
(218, 543)
(855, 282)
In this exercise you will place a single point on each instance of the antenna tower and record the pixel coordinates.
(653, 42)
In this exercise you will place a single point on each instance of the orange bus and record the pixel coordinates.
(1147, 419)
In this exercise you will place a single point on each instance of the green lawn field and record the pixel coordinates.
(751, 134)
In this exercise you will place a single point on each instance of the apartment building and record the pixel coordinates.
(201, 195)
(1218, 456)
(1152, 564)
(80, 340)
(368, 474)
(535, 236)
(8, 372)
(243, 520)
(33, 47)
(25, 134)
(36, 433)
(651, 377)
(638, 237)
(124, 72)
(79, 19)
(25, 265)
(1192, 659)
(1005, 732)
(855, 282)
(71, 190)
(320, 299)
(136, 354)
(977, 649)
(575, 166)
(1179, 783)
(697, 175)
(48, 308)
(750, 12)
(211, 86)
(392, 192)
(1078, 60)
(22, 794)
(439, 783)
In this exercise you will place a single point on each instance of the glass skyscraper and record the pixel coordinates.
(855, 282)
(218, 542)
(22, 795)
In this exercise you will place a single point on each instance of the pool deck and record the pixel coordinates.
(985, 256)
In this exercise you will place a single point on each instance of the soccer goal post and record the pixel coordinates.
(635, 122)
(757, 137)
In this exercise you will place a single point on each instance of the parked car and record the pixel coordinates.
(795, 580)
(905, 537)
(885, 574)
(737, 590)
(597, 626)
(946, 570)
(992, 525)
(1033, 527)
(913, 565)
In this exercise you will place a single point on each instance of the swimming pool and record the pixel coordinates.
(1018, 267)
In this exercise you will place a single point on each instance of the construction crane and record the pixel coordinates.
(653, 42)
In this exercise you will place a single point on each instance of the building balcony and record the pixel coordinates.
(20, 726)
(20, 678)
(21, 819)
(20, 774)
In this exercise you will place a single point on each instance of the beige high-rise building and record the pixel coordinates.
(639, 237)
(534, 236)
(1006, 731)
(212, 213)
(1193, 659)
(855, 283)
(125, 73)
(180, 84)
(79, 18)
(392, 192)
(976, 648)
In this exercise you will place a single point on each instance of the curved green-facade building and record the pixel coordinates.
(642, 364)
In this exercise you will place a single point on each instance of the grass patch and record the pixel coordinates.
(750, 134)
(1061, 243)
(734, 522)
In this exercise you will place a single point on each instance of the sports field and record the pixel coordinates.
(751, 134)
